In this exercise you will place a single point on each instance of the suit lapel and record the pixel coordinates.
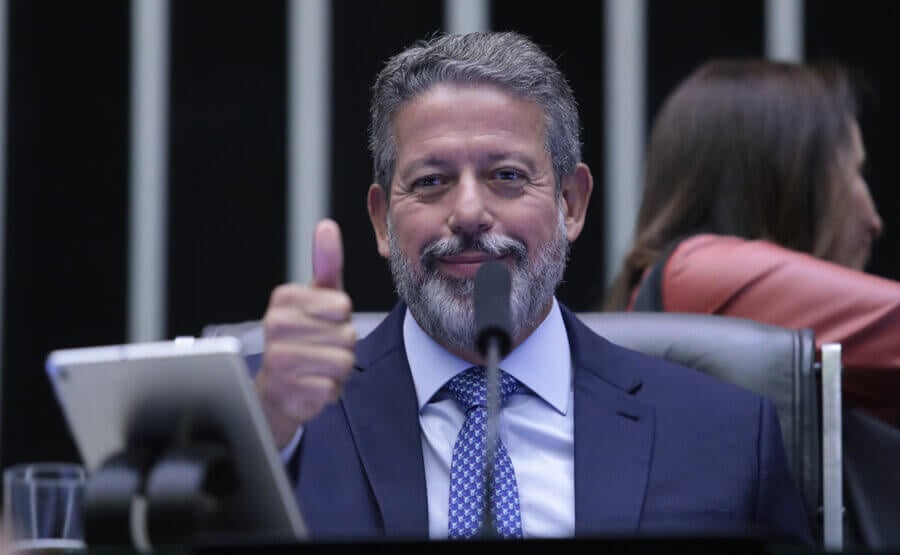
(613, 439)
(382, 410)
(613, 436)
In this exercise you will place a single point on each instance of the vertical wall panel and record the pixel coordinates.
(147, 268)
(227, 160)
(626, 119)
(67, 204)
(784, 30)
(467, 16)
(4, 42)
(309, 129)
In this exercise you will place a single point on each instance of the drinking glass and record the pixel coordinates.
(42, 506)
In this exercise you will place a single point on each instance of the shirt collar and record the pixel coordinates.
(542, 362)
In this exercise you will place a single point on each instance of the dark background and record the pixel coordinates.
(68, 105)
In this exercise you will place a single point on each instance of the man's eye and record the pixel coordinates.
(508, 175)
(428, 181)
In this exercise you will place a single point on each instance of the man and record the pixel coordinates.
(477, 157)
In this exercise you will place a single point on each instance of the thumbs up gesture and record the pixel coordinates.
(309, 341)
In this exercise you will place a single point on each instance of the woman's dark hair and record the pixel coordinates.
(744, 148)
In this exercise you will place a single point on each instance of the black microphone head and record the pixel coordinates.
(491, 300)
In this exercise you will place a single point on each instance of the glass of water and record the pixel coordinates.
(42, 506)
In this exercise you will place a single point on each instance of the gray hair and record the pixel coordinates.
(506, 60)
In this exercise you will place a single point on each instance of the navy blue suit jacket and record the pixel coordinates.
(659, 449)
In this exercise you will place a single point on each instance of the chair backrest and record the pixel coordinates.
(775, 362)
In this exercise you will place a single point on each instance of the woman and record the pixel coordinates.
(753, 177)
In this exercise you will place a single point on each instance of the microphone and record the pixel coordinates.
(492, 319)
(493, 327)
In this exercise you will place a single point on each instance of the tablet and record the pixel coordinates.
(201, 384)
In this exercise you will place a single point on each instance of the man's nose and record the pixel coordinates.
(470, 212)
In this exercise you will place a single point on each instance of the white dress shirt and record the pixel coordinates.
(536, 425)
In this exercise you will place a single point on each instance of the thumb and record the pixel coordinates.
(328, 256)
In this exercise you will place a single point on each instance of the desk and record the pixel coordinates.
(600, 546)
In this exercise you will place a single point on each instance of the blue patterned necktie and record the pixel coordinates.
(467, 469)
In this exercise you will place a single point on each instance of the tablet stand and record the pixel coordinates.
(166, 487)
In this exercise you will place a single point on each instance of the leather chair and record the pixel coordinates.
(774, 362)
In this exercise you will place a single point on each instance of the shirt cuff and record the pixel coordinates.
(289, 449)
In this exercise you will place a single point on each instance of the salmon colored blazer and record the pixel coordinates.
(762, 281)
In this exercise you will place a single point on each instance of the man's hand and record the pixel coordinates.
(309, 341)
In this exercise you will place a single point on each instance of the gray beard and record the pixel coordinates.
(442, 305)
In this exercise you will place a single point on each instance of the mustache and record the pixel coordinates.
(492, 244)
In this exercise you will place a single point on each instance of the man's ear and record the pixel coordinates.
(378, 205)
(576, 194)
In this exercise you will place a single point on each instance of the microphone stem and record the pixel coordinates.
(492, 372)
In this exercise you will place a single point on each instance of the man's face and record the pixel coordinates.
(473, 181)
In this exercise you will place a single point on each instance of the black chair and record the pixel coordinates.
(774, 362)
(872, 481)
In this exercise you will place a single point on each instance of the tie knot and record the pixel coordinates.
(470, 387)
